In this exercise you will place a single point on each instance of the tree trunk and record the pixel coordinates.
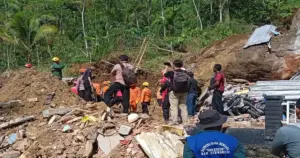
(221, 14)
(211, 11)
(227, 12)
(198, 15)
(84, 33)
(163, 17)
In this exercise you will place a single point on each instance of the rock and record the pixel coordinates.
(144, 116)
(128, 150)
(246, 116)
(10, 154)
(50, 112)
(106, 144)
(93, 135)
(80, 138)
(87, 131)
(133, 117)
(11, 103)
(32, 100)
(21, 134)
(88, 149)
(262, 118)
(124, 130)
(21, 145)
(250, 153)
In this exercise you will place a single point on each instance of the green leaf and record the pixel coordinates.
(45, 31)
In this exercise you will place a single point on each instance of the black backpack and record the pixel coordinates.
(128, 75)
(181, 82)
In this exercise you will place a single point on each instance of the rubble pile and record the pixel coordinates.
(34, 90)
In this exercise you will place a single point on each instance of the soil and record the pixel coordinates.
(29, 83)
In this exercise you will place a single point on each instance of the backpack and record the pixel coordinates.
(128, 75)
(181, 82)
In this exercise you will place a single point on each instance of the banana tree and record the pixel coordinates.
(27, 30)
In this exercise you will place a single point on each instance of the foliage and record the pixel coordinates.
(36, 30)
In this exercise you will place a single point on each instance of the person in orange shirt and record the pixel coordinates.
(97, 88)
(135, 93)
(106, 85)
(146, 97)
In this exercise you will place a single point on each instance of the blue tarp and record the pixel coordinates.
(261, 35)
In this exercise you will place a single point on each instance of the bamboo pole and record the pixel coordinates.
(141, 49)
(144, 50)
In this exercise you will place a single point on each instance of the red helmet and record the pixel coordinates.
(28, 65)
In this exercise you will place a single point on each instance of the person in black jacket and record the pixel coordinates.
(192, 95)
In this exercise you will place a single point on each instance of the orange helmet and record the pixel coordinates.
(82, 70)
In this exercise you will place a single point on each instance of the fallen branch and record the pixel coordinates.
(106, 62)
(16, 121)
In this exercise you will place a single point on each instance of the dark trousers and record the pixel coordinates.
(81, 93)
(113, 89)
(217, 101)
(145, 107)
(159, 101)
(88, 92)
(191, 103)
(166, 108)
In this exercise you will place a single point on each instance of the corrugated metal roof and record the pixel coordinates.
(261, 35)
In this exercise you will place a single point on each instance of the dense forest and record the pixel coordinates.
(86, 30)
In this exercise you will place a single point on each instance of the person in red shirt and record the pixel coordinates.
(218, 86)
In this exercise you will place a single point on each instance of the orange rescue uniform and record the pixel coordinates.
(146, 95)
(104, 89)
(97, 88)
(135, 93)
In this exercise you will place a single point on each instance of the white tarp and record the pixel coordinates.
(261, 35)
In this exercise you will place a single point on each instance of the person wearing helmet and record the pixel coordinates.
(57, 68)
(146, 97)
(28, 65)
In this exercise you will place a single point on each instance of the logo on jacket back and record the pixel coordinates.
(215, 148)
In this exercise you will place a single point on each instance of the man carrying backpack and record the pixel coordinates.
(124, 77)
(179, 87)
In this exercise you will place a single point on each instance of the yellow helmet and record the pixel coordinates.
(146, 84)
(108, 82)
(55, 59)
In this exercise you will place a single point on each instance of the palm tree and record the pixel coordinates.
(26, 30)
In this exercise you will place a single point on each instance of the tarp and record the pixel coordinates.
(261, 35)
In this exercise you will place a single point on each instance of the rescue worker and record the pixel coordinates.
(106, 85)
(210, 142)
(179, 80)
(79, 84)
(88, 85)
(286, 142)
(218, 86)
(119, 84)
(146, 97)
(165, 89)
(135, 93)
(97, 92)
(192, 95)
(57, 67)
(159, 97)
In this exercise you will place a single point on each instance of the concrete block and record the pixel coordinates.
(125, 130)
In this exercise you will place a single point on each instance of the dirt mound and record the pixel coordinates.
(25, 84)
